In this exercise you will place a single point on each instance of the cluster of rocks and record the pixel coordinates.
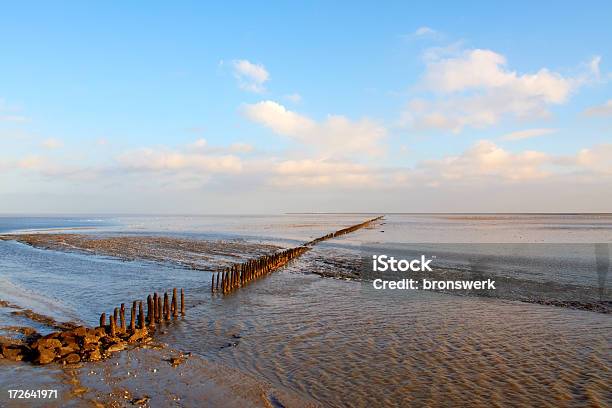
(72, 346)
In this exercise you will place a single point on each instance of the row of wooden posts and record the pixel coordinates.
(344, 231)
(157, 312)
(239, 274)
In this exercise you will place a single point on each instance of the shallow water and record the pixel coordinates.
(338, 341)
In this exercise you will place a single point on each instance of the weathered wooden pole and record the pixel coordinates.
(212, 285)
(122, 317)
(103, 320)
(166, 307)
(116, 315)
(174, 304)
(141, 321)
(159, 309)
(113, 332)
(183, 301)
(149, 309)
(155, 300)
(133, 317)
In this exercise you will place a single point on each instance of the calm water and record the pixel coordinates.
(338, 341)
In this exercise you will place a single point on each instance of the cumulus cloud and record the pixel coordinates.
(487, 160)
(475, 88)
(251, 77)
(336, 135)
(600, 110)
(527, 134)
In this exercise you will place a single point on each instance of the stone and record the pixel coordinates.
(90, 339)
(91, 346)
(116, 347)
(48, 343)
(53, 335)
(72, 358)
(80, 331)
(137, 335)
(100, 331)
(93, 355)
(14, 353)
(68, 349)
(45, 356)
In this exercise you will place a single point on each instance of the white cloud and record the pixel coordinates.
(251, 77)
(148, 159)
(474, 88)
(596, 159)
(527, 134)
(487, 160)
(336, 135)
(51, 143)
(424, 31)
(200, 144)
(240, 147)
(601, 110)
(322, 173)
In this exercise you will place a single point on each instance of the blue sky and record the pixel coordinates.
(320, 106)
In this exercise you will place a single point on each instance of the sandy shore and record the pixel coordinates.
(143, 377)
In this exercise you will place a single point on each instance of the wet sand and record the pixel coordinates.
(187, 253)
(144, 377)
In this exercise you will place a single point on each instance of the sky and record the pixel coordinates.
(246, 107)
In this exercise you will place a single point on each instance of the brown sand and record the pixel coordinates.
(194, 254)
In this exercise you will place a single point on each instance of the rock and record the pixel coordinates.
(48, 343)
(100, 331)
(53, 335)
(13, 352)
(91, 347)
(72, 358)
(93, 355)
(80, 331)
(45, 356)
(68, 349)
(140, 401)
(137, 335)
(90, 339)
(176, 361)
(116, 347)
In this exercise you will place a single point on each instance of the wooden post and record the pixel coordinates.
(103, 320)
(112, 326)
(122, 317)
(174, 304)
(155, 299)
(133, 318)
(166, 307)
(183, 301)
(149, 309)
(116, 315)
(141, 322)
(159, 309)
(212, 285)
